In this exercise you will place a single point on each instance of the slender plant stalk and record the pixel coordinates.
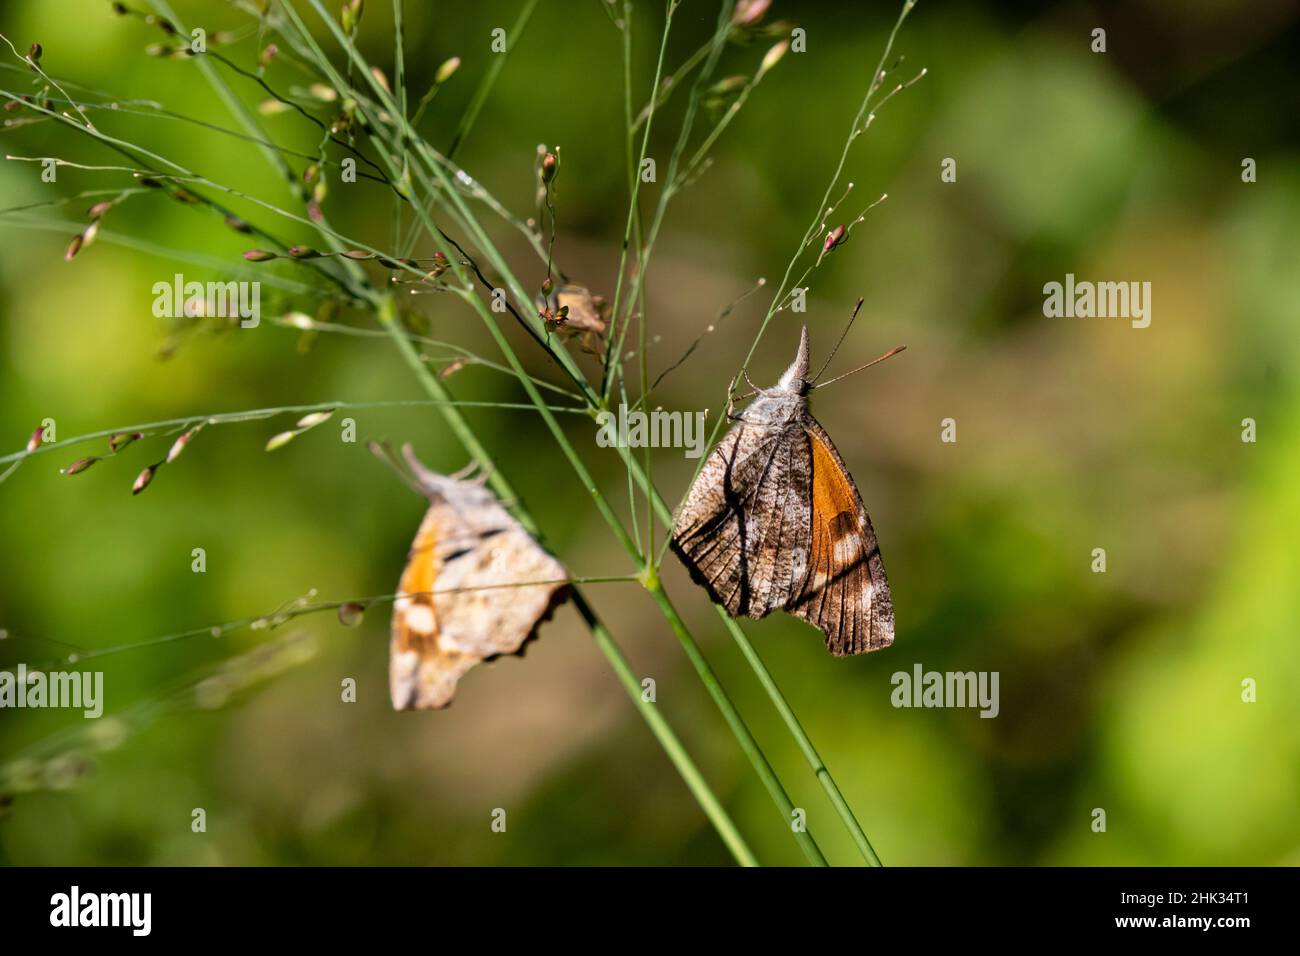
(489, 79)
(854, 132)
(611, 352)
(810, 753)
(756, 757)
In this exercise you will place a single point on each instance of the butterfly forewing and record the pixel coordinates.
(739, 532)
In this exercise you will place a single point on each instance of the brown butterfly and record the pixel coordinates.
(574, 312)
(774, 520)
(476, 585)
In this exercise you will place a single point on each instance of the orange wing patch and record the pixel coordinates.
(835, 501)
(845, 593)
(837, 540)
(417, 625)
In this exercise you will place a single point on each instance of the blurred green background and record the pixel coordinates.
(1120, 691)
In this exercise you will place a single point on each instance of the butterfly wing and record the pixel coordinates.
(845, 593)
(742, 530)
(420, 674)
(584, 309)
(465, 596)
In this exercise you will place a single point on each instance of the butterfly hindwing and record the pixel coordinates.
(845, 592)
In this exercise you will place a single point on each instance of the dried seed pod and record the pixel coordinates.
(142, 480)
(350, 14)
(119, 441)
(179, 444)
(773, 56)
(447, 68)
(280, 440)
(80, 465)
(314, 419)
(749, 12)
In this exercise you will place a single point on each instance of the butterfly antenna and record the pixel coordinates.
(726, 311)
(384, 452)
(464, 473)
(890, 354)
(840, 342)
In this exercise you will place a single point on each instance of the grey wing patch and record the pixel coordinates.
(742, 530)
(845, 592)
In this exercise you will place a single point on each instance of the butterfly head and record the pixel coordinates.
(795, 378)
(454, 489)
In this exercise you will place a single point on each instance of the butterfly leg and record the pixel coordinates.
(731, 399)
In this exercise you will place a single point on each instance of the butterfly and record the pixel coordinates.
(476, 585)
(774, 520)
(574, 312)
